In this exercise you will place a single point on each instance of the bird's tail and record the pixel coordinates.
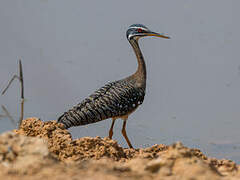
(76, 117)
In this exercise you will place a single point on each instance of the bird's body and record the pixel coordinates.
(117, 99)
(113, 100)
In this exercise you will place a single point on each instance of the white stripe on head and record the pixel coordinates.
(137, 27)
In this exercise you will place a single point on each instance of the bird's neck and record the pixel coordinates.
(141, 74)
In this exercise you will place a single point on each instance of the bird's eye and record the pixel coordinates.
(139, 30)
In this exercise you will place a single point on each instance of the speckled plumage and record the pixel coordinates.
(115, 99)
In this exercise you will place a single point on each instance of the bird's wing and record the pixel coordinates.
(112, 100)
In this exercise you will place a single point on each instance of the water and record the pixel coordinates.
(69, 49)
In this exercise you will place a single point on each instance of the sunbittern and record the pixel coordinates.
(117, 99)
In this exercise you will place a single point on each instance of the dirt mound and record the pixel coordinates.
(46, 150)
(60, 143)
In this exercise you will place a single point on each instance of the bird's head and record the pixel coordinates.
(137, 31)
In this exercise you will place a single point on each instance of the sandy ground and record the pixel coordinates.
(45, 150)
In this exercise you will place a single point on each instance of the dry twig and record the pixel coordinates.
(20, 78)
(8, 115)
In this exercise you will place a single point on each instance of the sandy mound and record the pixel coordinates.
(46, 150)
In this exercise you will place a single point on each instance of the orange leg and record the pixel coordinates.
(124, 132)
(111, 129)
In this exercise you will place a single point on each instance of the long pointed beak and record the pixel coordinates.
(162, 35)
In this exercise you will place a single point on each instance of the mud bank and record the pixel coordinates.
(46, 150)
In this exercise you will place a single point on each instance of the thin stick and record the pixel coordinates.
(10, 82)
(8, 115)
(22, 93)
(20, 78)
(22, 113)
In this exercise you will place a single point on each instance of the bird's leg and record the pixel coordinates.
(111, 129)
(124, 133)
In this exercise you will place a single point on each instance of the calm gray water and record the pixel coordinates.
(71, 48)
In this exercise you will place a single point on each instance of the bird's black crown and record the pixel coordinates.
(136, 30)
